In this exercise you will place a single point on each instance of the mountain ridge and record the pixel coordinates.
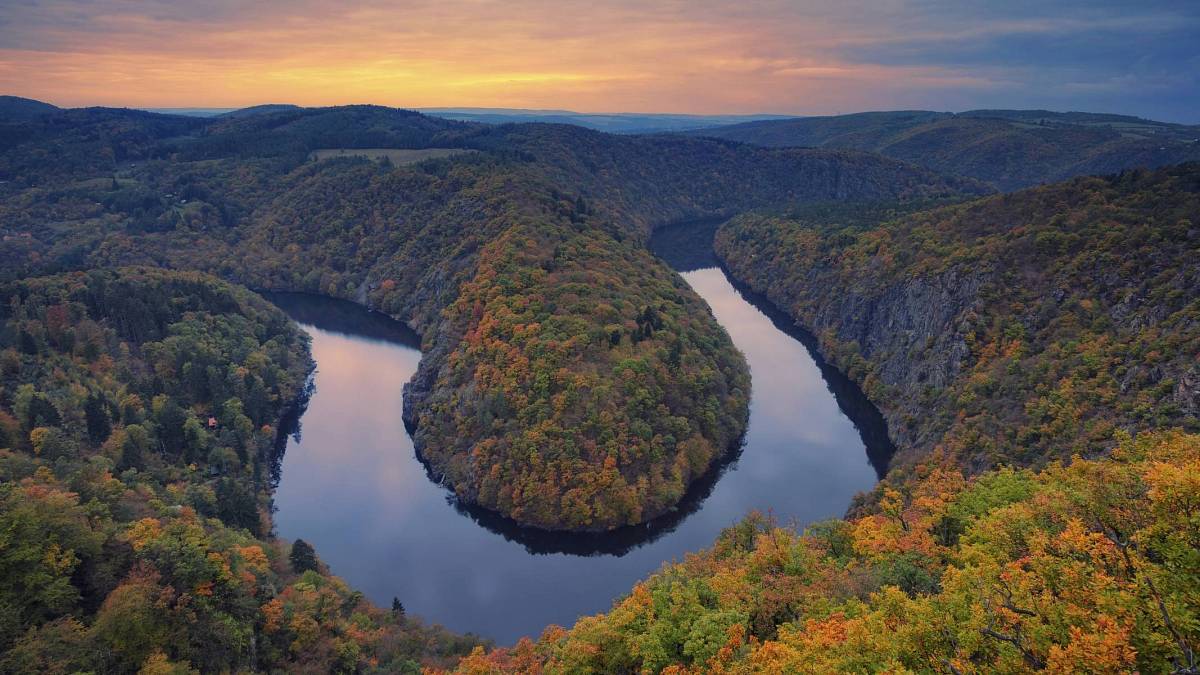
(1009, 149)
(19, 108)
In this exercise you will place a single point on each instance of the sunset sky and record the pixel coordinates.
(699, 56)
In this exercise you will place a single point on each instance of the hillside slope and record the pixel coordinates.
(1021, 330)
(1015, 328)
(139, 417)
(1088, 568)
(613, 123)
(18, 108)
(1009, 149)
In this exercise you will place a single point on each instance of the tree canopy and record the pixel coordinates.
(134, 530)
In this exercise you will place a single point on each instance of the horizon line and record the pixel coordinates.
(567, 111)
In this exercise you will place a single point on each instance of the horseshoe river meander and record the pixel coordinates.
(351, 484)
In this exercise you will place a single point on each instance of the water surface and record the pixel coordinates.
(352, 486)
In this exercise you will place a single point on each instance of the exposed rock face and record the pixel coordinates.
(912, 334)
(1187, 392)
(904, 322)
(1016, 329)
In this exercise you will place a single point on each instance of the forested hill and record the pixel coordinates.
(1009, 149)
(570, 380)
(139, 417)
(1012, 329)
(615, 123)
(645, 181)
(1084, 568)
(1057, 327)
(17, 108)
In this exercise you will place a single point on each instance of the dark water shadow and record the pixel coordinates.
(688, 246)
(288, 428)
(343, 316)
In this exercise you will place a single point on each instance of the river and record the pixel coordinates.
(351, 485)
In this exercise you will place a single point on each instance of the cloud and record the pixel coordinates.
(699, 56)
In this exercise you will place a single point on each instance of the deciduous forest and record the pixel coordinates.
(1034, 355)
(139, 434)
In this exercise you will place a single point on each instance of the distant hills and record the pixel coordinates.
(259, 109)
(1010, 149)
(17, 108)
(1007, 149)
(616, 123)
(611, 123)
(225, 112)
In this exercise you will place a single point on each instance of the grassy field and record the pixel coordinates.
(397, 156)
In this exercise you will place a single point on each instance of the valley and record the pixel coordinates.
(353, 486)
(705, 405)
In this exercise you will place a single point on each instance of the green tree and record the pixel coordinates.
(237, 505)
(169, 417)
(99, 424)
(41, 413)
(134, 448)
(303, 557)
(131, 623)
(195, 440)
(45, 537)
(50, 443)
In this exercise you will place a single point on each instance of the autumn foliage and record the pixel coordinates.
(134, 536)
(1023, 327)
(589, 389)
(1088, 566)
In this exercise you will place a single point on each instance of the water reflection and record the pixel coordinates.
(616, 542)
(687, 247)
(851, 400)
(345, 318)
(352, 486)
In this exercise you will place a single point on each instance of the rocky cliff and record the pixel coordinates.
(1012, 329)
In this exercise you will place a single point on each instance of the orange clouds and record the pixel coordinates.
(585, 55)
(809, 56)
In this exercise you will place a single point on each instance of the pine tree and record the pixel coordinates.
(95, 412)
(303, 557)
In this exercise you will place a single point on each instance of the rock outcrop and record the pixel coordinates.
(1013, 329)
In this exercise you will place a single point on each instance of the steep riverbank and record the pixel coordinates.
(900, 339)
(1012, 329)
